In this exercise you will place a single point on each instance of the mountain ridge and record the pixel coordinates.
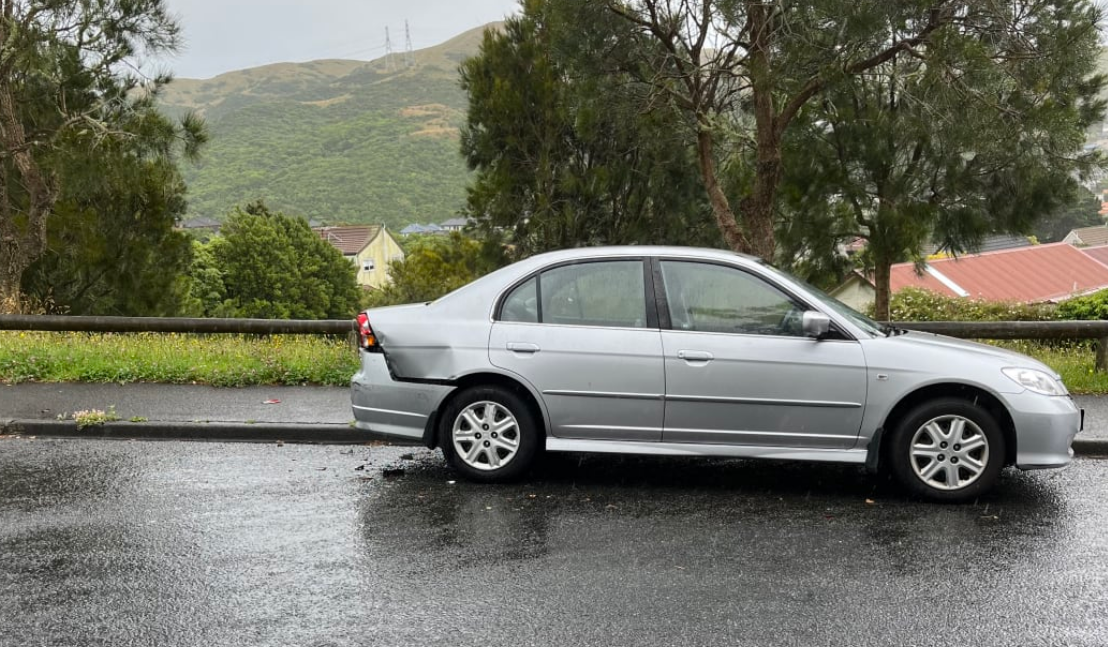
(341, 141)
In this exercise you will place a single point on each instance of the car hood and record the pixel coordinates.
(925, 342)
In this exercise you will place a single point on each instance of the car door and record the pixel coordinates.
(739, 369)
(585, 334)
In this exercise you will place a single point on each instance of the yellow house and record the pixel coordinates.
(370, 247)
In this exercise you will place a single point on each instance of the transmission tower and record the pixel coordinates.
(388, 51)
(409, 57)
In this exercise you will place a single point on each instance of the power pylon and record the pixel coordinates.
(388, 51)
(409, 57)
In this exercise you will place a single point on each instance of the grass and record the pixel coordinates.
(217, 360)
(1074, 361)
(239, 360)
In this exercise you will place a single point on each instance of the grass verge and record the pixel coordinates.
(217, 360)
(242, 360)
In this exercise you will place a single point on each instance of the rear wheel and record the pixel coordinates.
(948, 450)
(488, 434)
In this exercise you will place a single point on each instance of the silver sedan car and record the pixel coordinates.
(697, 352)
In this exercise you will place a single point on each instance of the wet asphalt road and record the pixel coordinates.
(172, 543)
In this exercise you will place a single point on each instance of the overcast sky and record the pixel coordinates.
(225, 35)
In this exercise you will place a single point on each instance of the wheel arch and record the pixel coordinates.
(973, 394)
(486, 378)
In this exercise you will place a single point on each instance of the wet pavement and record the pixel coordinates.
(170, 543)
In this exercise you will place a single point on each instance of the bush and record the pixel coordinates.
(1093, 306)
(918, 304)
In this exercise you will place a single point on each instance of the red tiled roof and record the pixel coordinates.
(349, 240)
(1051, 272)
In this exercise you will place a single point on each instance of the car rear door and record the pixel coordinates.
(739, 369)
(586, 335)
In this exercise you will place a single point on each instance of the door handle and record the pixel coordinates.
(695, 355)
(522, 347)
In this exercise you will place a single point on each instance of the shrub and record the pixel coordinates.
(1093, 306)
(918, 304)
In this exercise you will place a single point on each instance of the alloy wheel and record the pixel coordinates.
(486, 435)
(949, 452)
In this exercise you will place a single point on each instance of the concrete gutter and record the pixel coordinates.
(211, 431)
(273, 431)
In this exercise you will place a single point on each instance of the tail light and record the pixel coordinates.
(366, 339)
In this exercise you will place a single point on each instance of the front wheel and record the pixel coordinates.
(948, 450)
(489, 434)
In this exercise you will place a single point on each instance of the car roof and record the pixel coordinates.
(638, 250)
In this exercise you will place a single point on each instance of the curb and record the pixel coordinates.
(264, 432)
(212, 431)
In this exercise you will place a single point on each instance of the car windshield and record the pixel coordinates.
(857, 318)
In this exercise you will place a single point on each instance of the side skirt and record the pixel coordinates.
(697, 449)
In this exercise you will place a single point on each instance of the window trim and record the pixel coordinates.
(649, 289)
(663, 301)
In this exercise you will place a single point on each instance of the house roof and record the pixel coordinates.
(1092, 236)
(1097, 253)
(349, 240)
(1033, 274)
(456, 222)
(413, 229)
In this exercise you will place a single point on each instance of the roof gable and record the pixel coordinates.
(1091, 236)
(1039, 273)
(349, 240)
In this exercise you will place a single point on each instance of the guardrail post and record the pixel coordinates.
(1102, 355)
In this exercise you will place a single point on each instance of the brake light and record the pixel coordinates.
(366, 338)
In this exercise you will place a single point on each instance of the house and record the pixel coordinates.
(456, 224)
(416, 228)
(1093, 236)
(200, 226)
(371, 248)
(1035, 274)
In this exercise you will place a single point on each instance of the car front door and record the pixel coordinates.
(586, 336)
(739, 369)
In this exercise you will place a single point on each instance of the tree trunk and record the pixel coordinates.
(20, 243)
(721, 208)
(882, 270)
(758, 207)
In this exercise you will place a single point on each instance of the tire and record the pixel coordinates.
(923, 457)
(489, 451)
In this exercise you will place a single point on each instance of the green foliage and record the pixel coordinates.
(111, 247)
(564, 154)
(1083, 211)
(435, 265)
(1093, 306)
(218, 360)
(918, 304)
(269, 265)
(957, 139)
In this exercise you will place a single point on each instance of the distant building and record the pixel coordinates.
(1087, 236)
(208, 226)
(456, 224)
(416, 228)
(371, 248)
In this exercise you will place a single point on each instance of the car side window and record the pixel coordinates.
(602, 293)
(705, 297)
(522, 304)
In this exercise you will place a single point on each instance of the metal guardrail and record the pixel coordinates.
(52, 323)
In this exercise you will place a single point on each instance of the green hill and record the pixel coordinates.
(339, 141)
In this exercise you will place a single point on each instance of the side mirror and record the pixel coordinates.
(815, 324)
